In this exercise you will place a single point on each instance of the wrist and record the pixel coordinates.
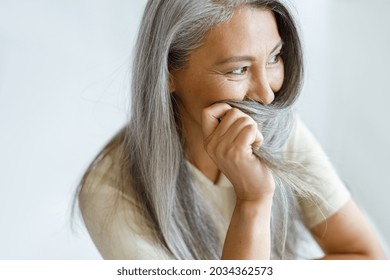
(255, 200)
(254, 207)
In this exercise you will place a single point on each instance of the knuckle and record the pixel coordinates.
(205, 111)
(251, 127)
(242, 121)
(234, 112)
(205, 116)
(245, 121)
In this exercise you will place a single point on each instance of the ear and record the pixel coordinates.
(172, 87)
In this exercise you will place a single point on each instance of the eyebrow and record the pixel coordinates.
(246, 57)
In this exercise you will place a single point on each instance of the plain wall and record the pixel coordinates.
(346, 95)
(64, 75)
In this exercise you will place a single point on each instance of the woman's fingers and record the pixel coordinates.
(211, 117)
(244, 131)
(224, 125)
(229, 138)
(250, 135)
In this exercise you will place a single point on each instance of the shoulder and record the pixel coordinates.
(102, 184)
(303, 147)
(105, 170)
(110, 210)
(301, 139)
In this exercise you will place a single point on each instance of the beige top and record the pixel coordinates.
(129, 237)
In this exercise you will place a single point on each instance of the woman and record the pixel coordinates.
(213, 163)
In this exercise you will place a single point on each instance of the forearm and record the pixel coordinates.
(249, 233)
(348, 235)
(372, 252)
(354, 257)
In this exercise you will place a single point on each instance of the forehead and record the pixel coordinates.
(250, 31)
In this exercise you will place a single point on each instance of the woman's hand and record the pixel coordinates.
(229, 137)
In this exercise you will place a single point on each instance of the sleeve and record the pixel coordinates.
(302, 147)
(113, 220)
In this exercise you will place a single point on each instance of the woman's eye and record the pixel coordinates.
(239, 71)
(274, 59)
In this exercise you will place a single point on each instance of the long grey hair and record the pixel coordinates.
(153, 162)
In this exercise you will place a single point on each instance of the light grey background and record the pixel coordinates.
(64, 74)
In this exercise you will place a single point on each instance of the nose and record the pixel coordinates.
(261, 90)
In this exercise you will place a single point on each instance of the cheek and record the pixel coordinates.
(276, 78)
(219, 88)
(197, 93)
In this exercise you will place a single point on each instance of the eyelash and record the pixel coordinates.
(243, 69)
(274, 60)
